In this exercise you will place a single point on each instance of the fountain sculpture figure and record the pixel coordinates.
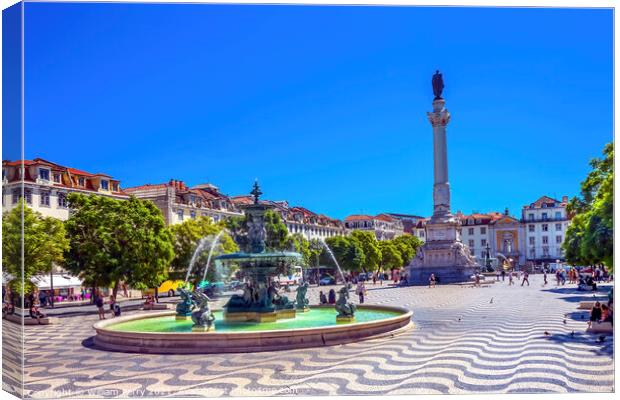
(346, 309)
(261, 300)
(186, 305)
(202, 317)
(301, 301)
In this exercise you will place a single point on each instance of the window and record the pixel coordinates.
(545, 239)
(531, 228)
(45, 199)
(16, 195)
(545, 227)
(44, 174)
(483, 230)
(422, 234)
(558, 239)
(57, 178)
(544, 216)
(532, 253)
(558, 215)
(28, 195)
(62, 200)
(192, 214)
(483, 242)
(530, 217)
(180, 215)
(470, 231)
(545, 252)
(192, 199)
(81, 181)
(532, 241)
(105, 185)
(471, 243)
(3, 174)
(558, 227)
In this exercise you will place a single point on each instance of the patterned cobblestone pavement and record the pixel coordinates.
(465, 340)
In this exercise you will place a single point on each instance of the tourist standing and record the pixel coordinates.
(544, 277)
(322, 298)
(503, 274)
(595, 313)
(432, 281)
(361, 291)
(526, 275)
(99, 302)
(332, 296)
(497, 275)
(112, 303)
(510, 278)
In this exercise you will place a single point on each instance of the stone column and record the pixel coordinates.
(439, 119)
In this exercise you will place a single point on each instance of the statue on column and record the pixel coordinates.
(437, 85)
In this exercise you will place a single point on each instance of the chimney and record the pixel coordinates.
(564, 199)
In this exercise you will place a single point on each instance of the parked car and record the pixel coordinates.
(327, 280)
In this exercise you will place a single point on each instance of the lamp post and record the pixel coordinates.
(488, 258)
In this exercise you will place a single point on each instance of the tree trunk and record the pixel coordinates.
(115, 289)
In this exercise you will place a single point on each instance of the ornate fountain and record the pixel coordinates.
(261, 300)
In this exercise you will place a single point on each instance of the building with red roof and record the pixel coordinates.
(47, 184)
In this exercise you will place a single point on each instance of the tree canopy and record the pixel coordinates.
(390, 255)
(348, 252)
(370, 247)
(44, 244)
(186, 237)
(589, 237)
(117, 240)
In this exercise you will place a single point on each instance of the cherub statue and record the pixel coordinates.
(203, 316)
(186, 305)
(301, 300)
(343, 306)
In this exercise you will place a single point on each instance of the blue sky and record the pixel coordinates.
(326, 106)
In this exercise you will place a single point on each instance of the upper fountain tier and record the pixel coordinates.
(255, 259)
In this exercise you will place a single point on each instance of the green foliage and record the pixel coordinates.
(589, 238)
(44, 244)
(408, 246)
(117, 240)
(370, 247)
(277, 232)
(186, 237)
(348, 252)
(390, 255)
(298, 242)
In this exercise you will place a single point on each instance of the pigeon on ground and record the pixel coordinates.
(564, 322)
(491, 302)
(546, 333)
(572, 334)
(601, 338)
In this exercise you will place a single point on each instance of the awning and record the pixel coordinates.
(60, 282)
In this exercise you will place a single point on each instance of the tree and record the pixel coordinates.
(390, 255)
(347, 251)
(117, 240)
(297, 242)
(44, 244)
(186, 238)
(589, 238)
(408, 246)
(277, 233)
(370, 246)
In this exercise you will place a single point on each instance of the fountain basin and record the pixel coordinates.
(135, 333)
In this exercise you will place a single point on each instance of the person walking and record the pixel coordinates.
(510, 278)
(100, 302)
(544, 277)
(503, 274)
(497, 275)
(432, 281)
(526, 275)
(361, 291)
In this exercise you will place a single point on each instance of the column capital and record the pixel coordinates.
(439, 118)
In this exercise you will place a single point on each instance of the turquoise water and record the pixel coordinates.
(314, 318)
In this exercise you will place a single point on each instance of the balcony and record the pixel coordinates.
(548, 219)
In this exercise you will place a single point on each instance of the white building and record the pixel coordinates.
(46, 186)
(384, 226)
(179, 203)
(545, 223)
(300, 220)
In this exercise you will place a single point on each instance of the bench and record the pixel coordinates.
(31, 321)
(601, 327)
